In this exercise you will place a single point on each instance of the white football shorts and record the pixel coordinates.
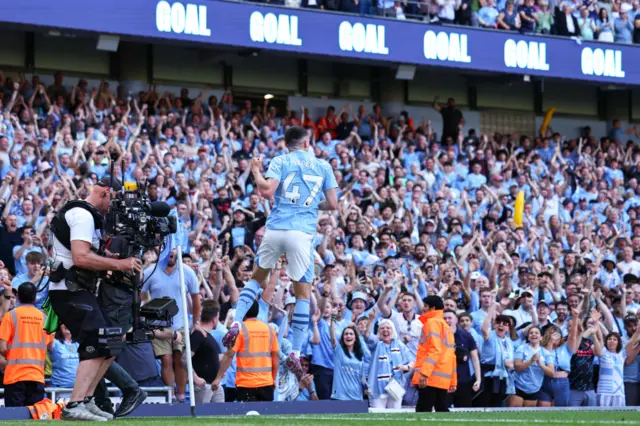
(298, 247)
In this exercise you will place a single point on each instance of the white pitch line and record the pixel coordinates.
(454, 420)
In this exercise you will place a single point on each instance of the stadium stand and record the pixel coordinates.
(526, 224)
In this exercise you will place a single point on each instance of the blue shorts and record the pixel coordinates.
(546, 391)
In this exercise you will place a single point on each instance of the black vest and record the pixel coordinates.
(60, 227)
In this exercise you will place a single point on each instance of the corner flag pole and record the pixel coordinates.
(187, 341)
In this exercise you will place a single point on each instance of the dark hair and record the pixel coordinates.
(464, 314)
(433, 302)
(253, 311)
(617, 336)
(484, 290)
(58, 335)
(34, 257)
(210, 310)
(407, 293)
(449, 311)
(294, 136)
(529, 331)
(504, 318)
(562, 303)
(357, 347)
(27, 293)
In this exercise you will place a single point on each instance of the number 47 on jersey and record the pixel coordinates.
(293, 195)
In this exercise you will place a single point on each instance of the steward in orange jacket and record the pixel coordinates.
(435, 368)
(24, 344)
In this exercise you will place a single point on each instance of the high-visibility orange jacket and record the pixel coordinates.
(254, 348)
(46, 410)
(22, 329)
(436, 356)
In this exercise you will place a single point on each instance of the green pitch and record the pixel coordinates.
(603, 418)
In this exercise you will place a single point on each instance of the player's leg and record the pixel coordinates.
(300, 267)
(251, 290)
(300, 320)
(269, 252)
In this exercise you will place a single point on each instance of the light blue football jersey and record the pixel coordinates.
(303, 179)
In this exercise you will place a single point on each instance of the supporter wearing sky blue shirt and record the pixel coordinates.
(327, 144)
(64, 359)
(475, 180)
(497, 351)
(349, 363)
(532, 362)
(539, 170)
(488, 15)
(547, 152)
(322, 357)
(34, 263)
(184, 227)
(8, 166)
(164, 282)
(623, 29)
(612, 173)
(479, 315)
(31, 243)
(411, 156)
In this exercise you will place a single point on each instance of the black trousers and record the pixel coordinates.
(23, 394)
(430, 398)
(230, 394)
(264, 393)
(463, 396)
(492, 394)
(323, 379)
(115, 304)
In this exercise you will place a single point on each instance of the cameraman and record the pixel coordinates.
(76, 228)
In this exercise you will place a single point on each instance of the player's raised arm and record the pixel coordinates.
(267, 187)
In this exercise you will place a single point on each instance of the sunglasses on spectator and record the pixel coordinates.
(338, 305)
(7, 297)
(502, 323)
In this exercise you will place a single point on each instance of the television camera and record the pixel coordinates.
(134, 224)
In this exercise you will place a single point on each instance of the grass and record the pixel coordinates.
(554, 418)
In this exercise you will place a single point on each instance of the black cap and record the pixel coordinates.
(27, 292)
(106, 182)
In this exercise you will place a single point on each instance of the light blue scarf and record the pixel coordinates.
(385, 365)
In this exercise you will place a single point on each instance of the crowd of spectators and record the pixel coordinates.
(542, 313)
(617, 20)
